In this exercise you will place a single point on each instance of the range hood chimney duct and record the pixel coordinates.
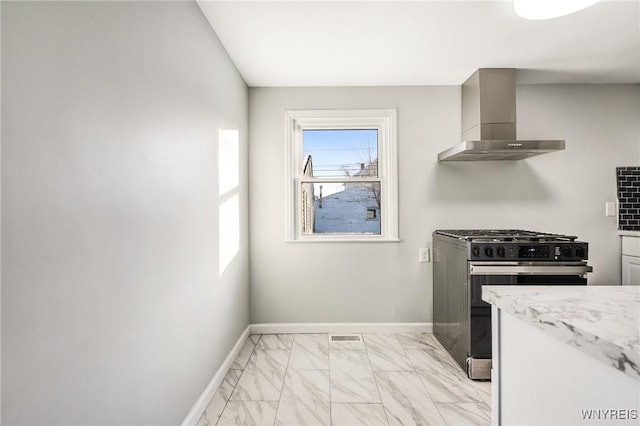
(489, 121)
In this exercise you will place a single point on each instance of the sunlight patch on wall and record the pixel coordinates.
(229, 210)
(229, 231)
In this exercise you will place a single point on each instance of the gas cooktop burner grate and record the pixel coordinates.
(504, 235)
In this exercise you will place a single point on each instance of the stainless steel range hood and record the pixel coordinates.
(489, 121)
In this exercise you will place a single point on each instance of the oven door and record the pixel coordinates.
(511, 273)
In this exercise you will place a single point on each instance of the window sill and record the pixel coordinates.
(343, 239)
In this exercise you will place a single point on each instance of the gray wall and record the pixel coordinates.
(113, 308)
(562, 192)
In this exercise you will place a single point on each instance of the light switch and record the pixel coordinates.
(425, 255)
(610, 208)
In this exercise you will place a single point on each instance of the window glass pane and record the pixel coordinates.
(353, 209)
(342, 153)
(352, 154)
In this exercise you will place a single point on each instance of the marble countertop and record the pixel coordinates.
(602, 321)
(629, 233)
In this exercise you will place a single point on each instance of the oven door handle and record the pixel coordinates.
(475, 269)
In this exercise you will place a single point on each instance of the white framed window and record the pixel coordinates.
(341, 175)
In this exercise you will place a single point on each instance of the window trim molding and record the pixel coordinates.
(385, 121)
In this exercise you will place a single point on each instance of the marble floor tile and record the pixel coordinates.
(305, 399)
(382, 341)
(351, 377)
(213, 411)
(257, 413)
(484, 390)
(425, 359)
(310, 352)
(389, 360)
(243, 357)
(358, 414)
(204, 421)
(229, 382)
(418, 341)
(307, 380)
(263, 377)
(444, 386)
(220, 398)
(346, 345)
(447, 360)
(444, 356)
(275, 341)
(467, 413)
(405, 399)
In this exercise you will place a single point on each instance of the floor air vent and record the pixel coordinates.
(346, 338)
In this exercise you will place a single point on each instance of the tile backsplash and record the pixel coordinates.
(628, 179)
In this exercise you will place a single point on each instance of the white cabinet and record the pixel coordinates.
(539, 380)
(630, 270)
(630, 260)
(563, 355)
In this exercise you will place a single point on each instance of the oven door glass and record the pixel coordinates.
(480, 330)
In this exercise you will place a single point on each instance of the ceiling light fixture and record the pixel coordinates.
(547, 9)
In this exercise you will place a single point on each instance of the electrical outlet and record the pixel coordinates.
(610, 208)
(425, 255)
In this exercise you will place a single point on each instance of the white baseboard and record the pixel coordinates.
(201, 404)
(320, 327)
(343, 327)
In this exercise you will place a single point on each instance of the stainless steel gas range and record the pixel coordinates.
(465, 260)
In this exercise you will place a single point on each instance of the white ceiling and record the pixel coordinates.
(371, 43)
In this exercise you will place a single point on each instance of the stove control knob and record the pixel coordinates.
(488, 251)
(475, 251)
(567, 252)
(580, 252)
(500, 251)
